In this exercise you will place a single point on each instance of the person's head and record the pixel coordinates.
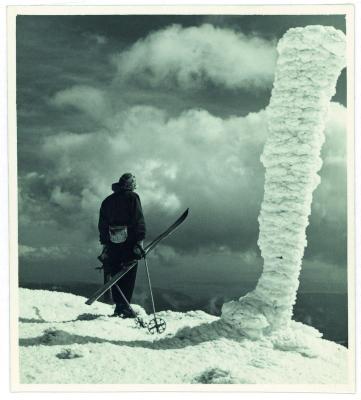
(127, 182)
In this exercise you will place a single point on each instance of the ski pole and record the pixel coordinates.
(157, 323)
(139, 321)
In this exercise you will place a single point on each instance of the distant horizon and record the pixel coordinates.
(95, 284)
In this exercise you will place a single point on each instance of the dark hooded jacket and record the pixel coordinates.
(122, 207)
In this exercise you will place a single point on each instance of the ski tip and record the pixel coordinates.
(184, 215)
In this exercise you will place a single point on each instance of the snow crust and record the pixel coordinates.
(62, 340)
(309, 62)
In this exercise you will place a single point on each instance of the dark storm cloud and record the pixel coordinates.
(195, 160)
(79, 128)
(52, 53)
(274, 26)
(189, 161)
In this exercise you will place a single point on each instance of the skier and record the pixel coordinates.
(122, 232)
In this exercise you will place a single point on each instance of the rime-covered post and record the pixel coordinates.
(309, 62)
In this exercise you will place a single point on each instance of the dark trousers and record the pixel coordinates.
(126, 285)
(117, 255)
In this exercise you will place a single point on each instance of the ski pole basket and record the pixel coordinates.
(156, 325)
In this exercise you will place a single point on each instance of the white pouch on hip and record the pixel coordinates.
(118, 233)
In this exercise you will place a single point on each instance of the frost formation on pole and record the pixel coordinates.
(309, 62)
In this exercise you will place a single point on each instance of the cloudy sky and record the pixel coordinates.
(179, 101)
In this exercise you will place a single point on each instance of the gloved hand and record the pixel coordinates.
(104, 254)
(138, 250)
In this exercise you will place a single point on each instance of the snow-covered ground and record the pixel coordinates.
(62, 340)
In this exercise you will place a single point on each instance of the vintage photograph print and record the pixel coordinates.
(182, 212)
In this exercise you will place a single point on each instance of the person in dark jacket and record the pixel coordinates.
(122, 232)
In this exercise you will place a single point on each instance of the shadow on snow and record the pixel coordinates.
(183, 338)
(81, 317)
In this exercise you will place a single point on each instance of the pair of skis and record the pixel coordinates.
(156, 324)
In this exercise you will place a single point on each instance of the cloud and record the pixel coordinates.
(43, 253)
(195, 159)
(334, 151)
(96, 37)
(84, 98)
(313, 275)
(164, 255)
(329, 206)
(64, 199)
(190, 57)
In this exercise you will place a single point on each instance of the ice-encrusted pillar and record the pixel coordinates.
(309, 62)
